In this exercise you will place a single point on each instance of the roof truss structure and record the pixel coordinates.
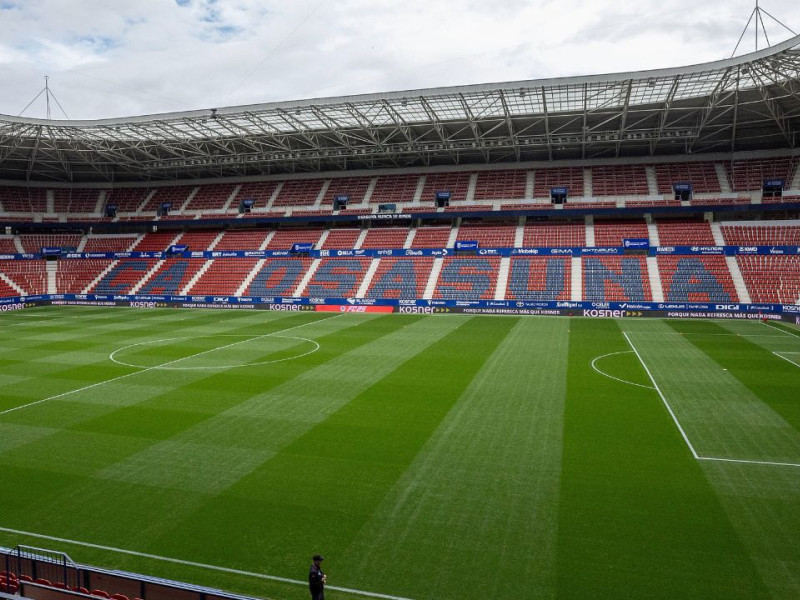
(748, 103)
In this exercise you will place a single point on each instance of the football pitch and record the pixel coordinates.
(427, 457)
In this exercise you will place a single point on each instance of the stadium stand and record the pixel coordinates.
(210, 197)
(355, 187)
(467, 278)
(108, 243)
(283, 239)
(774, 279)
(73, 276)
(569, 177)
(456, 183)
(123, 276)
(615, 279)
(619, 180)
(174, 195)
(244, 239)
(396, 189)
(172, 276)
(489, 235)
(299, 192)
(677, 233)
(385, 237)
(501, 185)
(554, 235)
(155, 242)
(749, 175)
(613, 233)
(431, 237)
(223, 277)
(127, 200)
(23, 200)
(34, 243)
(75, 200)
(761, 235)
(339, 239)
(696, 279)
(403, 278)
(540, 279)
(702, 176)
(29, 275)
(337, 277)
(278, 277)
(7, 245)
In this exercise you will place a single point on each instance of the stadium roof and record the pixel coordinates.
(751, 102)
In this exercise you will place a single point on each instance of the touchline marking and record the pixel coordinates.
(783, 331)
(190, 563)
(788, 359)
(683, 433)
(594, 366)
(663, 399)
(94, 385)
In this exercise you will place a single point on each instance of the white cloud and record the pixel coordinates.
(109, 58)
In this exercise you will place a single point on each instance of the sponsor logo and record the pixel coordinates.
(407, 302)
(258, 253)
(81, 297)
(140, 304)
(774, 250)
(791, 308)
(417, 310)
(286, 307)
(353, 309)
(413, 252)
(280, 253)
(122, 254)
(317, 300)
(561, 251)
(6, 256)
(344, 253)
(324, 253)
(671, 306)
(8, 307)
(568, 304)
(748, 249)
(726, 307)
(220, 299)
(197, 255)
(267, 300)
(216, 254)
(384, 253)
(245, 299)
(665, 249)
(601, 305)
(525, 251)
(595, 313)
(198, 298)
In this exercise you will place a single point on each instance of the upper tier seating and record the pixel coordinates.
(109, 243)
(554, 235)
(501, 185)
(403, 278)
(702, 176)
(394, 189)
(774, 279)
(569, 177)
(696, 279)
(285, 238)
(355, 187)
(489, 236)
(155, 242)
(127, 200)
(175, 195)
(75, 200)
(261, 192)
(211, 197)
(749, 175)
(684, 233)
(7, 245)
(244, 239)
(761, 235)
(299, 192)
(431, 237)
(456, 183)
(341, 239)
(540, 279)
(619, 180)
(20, 199)
(616, 279)
(34, 243)
(613, 233)
(385, 237)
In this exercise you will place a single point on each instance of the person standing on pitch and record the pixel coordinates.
(316, 578)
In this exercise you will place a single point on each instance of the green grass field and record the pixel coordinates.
(443, 457)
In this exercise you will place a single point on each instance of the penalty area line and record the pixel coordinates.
(789, 360)
(190, 563)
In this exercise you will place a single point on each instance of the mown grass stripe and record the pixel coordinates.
(637, 517)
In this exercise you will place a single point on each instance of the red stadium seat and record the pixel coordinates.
(101, 593)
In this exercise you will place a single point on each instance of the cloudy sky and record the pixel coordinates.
(115, 58)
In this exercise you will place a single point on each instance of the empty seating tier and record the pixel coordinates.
(278, 277)
(489, 236)
(696, 279)
(501, 185)
(261, 192)
(337, 277)
(299, 192)
(283, 239)
(540, 279)
(761, 235)
(355, 187)
(223, 277)
(211, 197)
(569, 177)
(403, 278)
(613, 233)
(108, 243)
(243, 239)
(749, 175)
(702, 176)
(774, 279)
(385, 237)
(431, 237)
(685, 233)
(619, 180)
(616, 279)
(75, 200)
(394, 189)
(155, 242)
(456, 183)
(173, 195)
(554, 235)
(34, 243)
(467, 278)
(341, 239)
(73, 276)
(17, 199)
